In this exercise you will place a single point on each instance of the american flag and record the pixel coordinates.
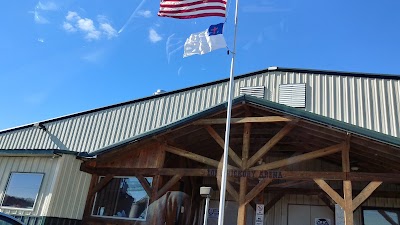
(187, 9)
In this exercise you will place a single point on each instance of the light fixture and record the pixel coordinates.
(354, 168)
(206, 192)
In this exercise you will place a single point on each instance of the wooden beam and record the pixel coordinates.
(348, 203)
(300, 158)
(365, 193)
(257, 189)
(231, 190)
(265, 119)
(145, 184)
(235, 158)
(289, 183)
(242, 213)
(193, 156)
(280, 175)
(329, 191)
(271, 143)
(347, 187)
(167, 186)
(103, 182)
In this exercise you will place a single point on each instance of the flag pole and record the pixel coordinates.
(228, 126)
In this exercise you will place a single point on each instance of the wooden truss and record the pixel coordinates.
(246, 168)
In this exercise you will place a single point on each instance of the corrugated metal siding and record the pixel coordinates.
(70, 190)
(46, 165)
(367, 102)
(64, 188)
(278, 214)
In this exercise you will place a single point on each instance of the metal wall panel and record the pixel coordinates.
(46, 165)
(70, 189)
(363, 101)
(64, 188)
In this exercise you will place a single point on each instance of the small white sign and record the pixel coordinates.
(259, 214)
(213, 213)
(260, 209)
(322, 221)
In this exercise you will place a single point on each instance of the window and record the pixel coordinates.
(122, 197)
(22, 190)
(381, 216)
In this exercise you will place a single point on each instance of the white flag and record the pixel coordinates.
(205, 42)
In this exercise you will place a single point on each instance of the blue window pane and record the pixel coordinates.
(22, 190)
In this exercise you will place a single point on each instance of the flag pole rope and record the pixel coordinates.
(228, 125)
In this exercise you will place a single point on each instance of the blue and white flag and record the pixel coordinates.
(205, 42)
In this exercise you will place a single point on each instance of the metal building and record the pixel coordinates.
(55, 147)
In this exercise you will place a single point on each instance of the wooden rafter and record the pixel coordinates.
(365, 193)
(231, 190)
(329, 191)
(299, 158)
(103, 182)
(195, 157)
(256, 190)
(265, 119)
(145, 184)
(235, 158)
(271, 143)
(168, 185)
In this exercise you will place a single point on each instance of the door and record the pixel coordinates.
(310, 215)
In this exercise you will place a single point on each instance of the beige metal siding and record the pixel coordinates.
(64, 188)
(367, 102)
(71, 187)
(46, 165)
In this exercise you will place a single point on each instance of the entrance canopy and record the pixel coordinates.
(273, 149)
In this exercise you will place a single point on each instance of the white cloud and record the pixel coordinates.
(68, 27)
(145, 13)
(48, 6)
(108, 30)
(72, 16)
(154, 36)
(86, 25)
(41, 40)
(74, 22)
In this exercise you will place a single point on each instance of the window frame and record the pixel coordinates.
(120, 218)
(7, 185)
(376, 208)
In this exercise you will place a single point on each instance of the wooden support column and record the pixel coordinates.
(243, 180)
(347, 188)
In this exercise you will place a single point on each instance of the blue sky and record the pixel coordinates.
(64, 56)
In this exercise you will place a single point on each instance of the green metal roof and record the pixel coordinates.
(298, 113)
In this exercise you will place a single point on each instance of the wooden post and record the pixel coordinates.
(157, 182)
(347, 188)
(243, 180)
